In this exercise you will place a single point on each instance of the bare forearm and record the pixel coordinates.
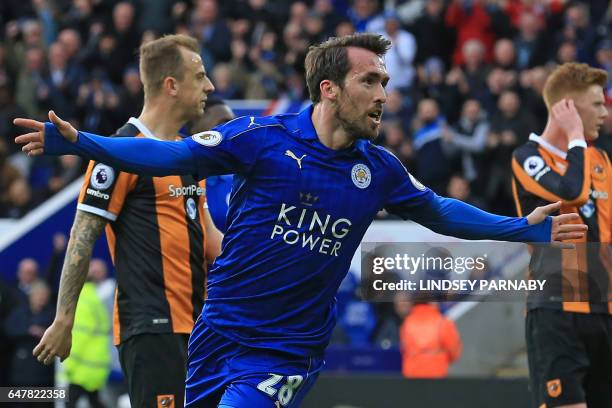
(85, 231)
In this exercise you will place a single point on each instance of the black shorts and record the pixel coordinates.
(155, 366)
(570, 358)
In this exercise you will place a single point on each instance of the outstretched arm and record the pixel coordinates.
(134, 155)
(453, 217)
(57, 340)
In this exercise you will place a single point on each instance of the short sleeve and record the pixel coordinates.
(104, 190)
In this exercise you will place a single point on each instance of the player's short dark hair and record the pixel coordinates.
(329, 60)
(162, 58)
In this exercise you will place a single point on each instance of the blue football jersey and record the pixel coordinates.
(297, 213)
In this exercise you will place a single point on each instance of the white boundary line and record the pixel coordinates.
(41, 213)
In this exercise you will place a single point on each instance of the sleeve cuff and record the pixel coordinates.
(576, 143)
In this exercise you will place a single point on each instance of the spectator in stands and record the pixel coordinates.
(532, 83)
(71, 40)
(399, 59)
(579, 31)
(325, 8)
(61, 81)
(103, 56)
(510, 128)
(466, 140)
(239, 67)
(27, 275)
(153, 15)
(364, 14)
(213, 33)
(472, 21)
(8, 174)
(434, 37)
(30, 90)
(398, 143)
(603, 56)
(6, 70)
(80, 17)
(432, 166)
(459, 188)
(345, 27)
(26, 325)
(125, 32)
(530, 43)
(504, 54)
(298, 13)
(65, 170)
(470, 79)
(358, 322)
(130, 97)
(314, 28)
(105, 285)
(429, 342)
(266, 81)
(18, 201)
(567, 52)
(9, 110)
(396, 110)
(88, 365)
(432, 84)
(224, 86)
(22, 36)
(95, 101)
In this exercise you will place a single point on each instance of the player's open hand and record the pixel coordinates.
(34, 142)
(565, 115)
(56, 342)
(564, 226)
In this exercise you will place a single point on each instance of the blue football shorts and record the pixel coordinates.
(222, 373)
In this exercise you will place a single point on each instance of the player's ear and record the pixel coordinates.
(329, 90)
(170, 86)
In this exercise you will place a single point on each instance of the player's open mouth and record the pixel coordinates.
(375, 116)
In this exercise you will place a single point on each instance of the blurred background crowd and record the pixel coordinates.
(465, 90)
(466, 75)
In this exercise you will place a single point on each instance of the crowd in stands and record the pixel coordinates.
(465, 88)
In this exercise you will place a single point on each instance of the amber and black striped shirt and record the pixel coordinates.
(157, 241)
(578, 280)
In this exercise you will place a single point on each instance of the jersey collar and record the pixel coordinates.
(142, 128)
(304, 124)
(306, 130)
(538, 139)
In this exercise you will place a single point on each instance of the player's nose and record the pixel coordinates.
(208, 86)
(381, 96)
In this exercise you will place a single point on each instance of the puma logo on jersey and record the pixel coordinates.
(294, 157)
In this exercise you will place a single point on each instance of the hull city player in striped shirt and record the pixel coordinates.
(160, 236)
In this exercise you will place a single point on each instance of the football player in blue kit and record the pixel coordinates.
(306, 188)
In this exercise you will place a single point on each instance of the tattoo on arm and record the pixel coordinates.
(85, 231)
